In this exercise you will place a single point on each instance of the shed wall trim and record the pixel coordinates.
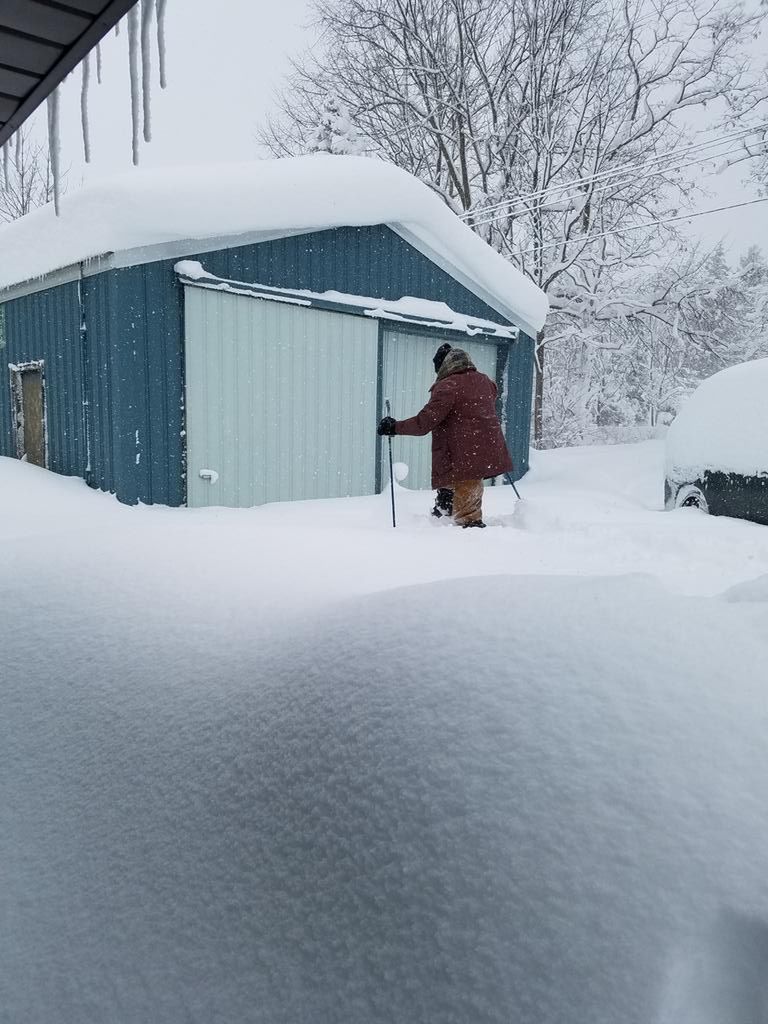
(193, 276)
(139, 257)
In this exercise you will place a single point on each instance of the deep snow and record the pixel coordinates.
(290, 765)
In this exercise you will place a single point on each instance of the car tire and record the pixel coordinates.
(691, 496)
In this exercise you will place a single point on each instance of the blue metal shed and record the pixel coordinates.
(270, 322)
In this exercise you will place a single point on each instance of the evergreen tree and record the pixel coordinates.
(336, 132)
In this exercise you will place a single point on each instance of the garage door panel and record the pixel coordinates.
(408, 375)
(281, 400)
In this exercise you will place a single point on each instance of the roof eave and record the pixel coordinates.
(181, 248)
(68, 61)
(489, 298)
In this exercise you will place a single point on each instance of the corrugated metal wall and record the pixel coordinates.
(408, 375)
(519, 397)
(371, 261)
(139, 310)
(135, 369)
(47, 326)
(281, 400)
(134, 349)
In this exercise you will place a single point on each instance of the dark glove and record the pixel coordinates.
(387, 427)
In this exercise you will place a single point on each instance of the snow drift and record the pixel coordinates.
(723, 425)
(509, 799)
(148, 207)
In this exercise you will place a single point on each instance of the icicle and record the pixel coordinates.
(54, 146)
(147, 10)
(7, 165)
(117, 29)
(133, 62)
(98, 64)
(161, 7)
(17, 150)
(84, 120)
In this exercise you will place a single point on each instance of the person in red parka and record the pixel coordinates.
(467, 441)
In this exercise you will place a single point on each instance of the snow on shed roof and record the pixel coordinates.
(308, 193)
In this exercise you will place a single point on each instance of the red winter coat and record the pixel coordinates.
(467, 440)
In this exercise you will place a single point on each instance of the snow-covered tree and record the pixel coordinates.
(26, 179)
(336, 133)
(557, 128)
(631, 376)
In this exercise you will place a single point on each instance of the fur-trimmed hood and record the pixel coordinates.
(456, 361)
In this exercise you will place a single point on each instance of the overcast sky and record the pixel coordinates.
(225, 60)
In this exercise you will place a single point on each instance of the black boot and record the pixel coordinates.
(478, 523)
(443, 502)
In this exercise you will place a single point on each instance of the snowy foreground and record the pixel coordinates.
(287, 765)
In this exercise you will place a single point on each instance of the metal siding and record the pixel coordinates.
(372, 261)
(130, 400)
(519, 400)
(98, 303)
(134, 352)
(133, 317)
(281, 400)
(46, 325)
(142, 365)
(407, 377)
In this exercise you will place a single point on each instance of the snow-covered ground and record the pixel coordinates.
(290, 765)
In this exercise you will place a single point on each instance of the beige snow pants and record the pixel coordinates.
(468, 502)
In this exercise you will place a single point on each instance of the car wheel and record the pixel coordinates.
(691, 497)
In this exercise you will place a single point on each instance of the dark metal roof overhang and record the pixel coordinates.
(41, 41)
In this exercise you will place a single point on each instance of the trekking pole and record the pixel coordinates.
(511, 481)
(391, 470)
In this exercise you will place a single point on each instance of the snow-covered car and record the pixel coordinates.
(717, 447)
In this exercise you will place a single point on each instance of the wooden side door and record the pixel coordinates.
(28, 392)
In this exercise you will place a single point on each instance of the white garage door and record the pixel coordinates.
(280, 401)
(408, 375)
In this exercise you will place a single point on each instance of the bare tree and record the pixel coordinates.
(26, 179)
(557, 128)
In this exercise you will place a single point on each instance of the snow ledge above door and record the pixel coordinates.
(407, 310)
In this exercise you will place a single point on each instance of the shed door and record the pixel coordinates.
(28, 394)
(408, 375)
(281, 401)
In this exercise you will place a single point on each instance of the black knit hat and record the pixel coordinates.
(440, 355)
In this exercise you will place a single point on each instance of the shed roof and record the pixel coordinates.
(40, 43)
(226, 202)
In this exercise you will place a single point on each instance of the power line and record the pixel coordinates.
(621, 169)
(618, 170)
(606, 186)
(589, 239)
